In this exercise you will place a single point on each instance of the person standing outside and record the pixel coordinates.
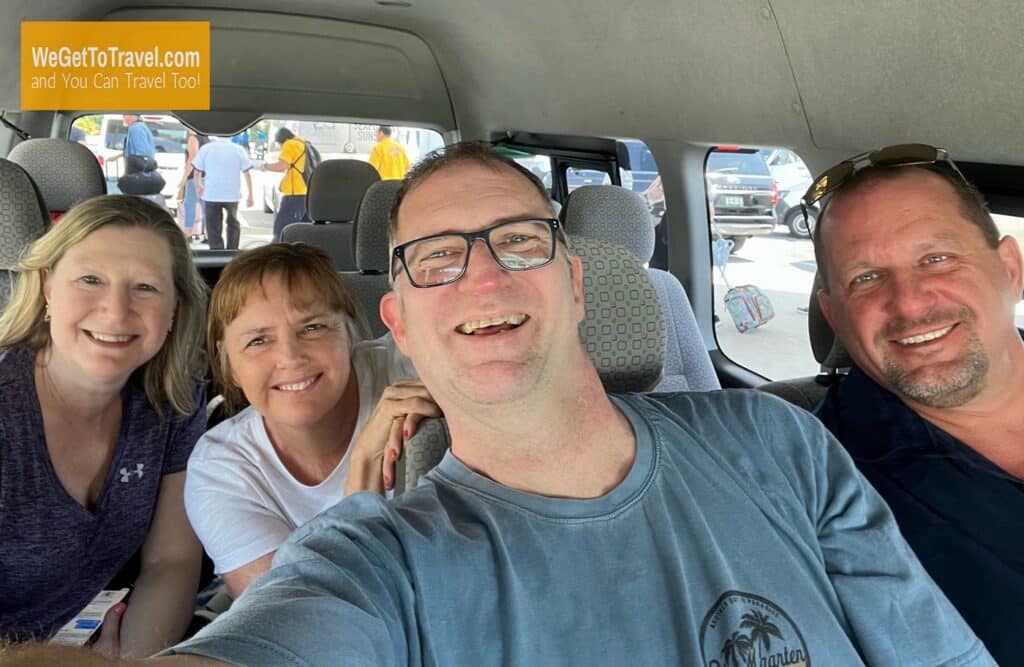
(192, 219)
(139, 146)
(219, 167)
(388, 156)
(292, 161)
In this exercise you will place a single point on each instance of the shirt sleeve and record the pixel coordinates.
(246, 163)
(339, 593)
(896, 613)
(183, 435)
(226, 512)
(199, 162)
(292, 151)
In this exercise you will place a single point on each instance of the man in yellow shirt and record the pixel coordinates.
(292, 161)
(387, 156)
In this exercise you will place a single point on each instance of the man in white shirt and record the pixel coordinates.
(219, 166)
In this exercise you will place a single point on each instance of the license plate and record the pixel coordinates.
(734, 202)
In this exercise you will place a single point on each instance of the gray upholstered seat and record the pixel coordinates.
(369, 282)
(65, 172)
(23, 219)
(335, 191)
(808, 392)
(623, 331)
(620, 216)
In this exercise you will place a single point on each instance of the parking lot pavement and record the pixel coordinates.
(783, 267)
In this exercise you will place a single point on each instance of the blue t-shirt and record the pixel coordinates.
(742, 534)
(55, 555)
(962, 514)
(139, 140)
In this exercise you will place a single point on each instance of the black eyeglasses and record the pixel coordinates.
(518, 245)
(900, 155)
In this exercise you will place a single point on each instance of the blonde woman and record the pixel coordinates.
(321, 420)
(99, 358)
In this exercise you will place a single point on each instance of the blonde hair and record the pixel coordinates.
(170, 376)
(308, 275)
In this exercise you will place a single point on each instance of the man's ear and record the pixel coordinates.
(391, 315)
(1009, 253)
(827, 307)
(576, 275)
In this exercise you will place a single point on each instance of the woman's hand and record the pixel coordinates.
(109, 641)
(393, 421)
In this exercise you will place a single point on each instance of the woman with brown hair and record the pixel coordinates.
(321, 420)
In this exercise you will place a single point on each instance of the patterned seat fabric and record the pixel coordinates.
(66, 172)
(616, 215)
(623, 331)
(335, 191)
(23, 219)
(371, 229)
(369, 282)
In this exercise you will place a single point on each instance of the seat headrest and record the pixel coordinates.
(371, 229)
(613, 214)
(623, 328)
(23, 215)
(66, 172)
(337, 187)
(828, 349)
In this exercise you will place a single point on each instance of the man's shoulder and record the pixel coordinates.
(744, 404)
(370, 520)
(744, 420)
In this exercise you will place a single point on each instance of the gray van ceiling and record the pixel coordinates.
(831, 75)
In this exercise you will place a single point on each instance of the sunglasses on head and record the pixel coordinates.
(900, 155)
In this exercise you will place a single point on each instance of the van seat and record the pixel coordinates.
(65, 171)
(335, 191)
(23, 219)
(616, 215)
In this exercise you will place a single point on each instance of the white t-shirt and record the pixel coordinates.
(242, 501)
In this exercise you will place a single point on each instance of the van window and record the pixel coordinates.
(753, 203)
(1013, 226)
(105, 134)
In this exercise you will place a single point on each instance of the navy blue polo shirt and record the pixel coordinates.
(962, 515)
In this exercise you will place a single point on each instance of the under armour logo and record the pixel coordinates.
(126, 474)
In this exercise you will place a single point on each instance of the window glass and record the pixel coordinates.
(1014, 226)
(753, 202)
(105, 135)
(642, 178)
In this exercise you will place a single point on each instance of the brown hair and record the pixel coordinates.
(972, 204)
(466, 152)
(301, 267)
(171, 375)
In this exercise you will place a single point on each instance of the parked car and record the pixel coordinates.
(741, 194)
(642, 166)
(576, 178)
(786, 167)
(788, 210)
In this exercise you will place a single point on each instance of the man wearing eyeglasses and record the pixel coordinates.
(570, 527)
(921, 290)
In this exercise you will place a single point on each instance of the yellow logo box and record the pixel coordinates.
(115, 65)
